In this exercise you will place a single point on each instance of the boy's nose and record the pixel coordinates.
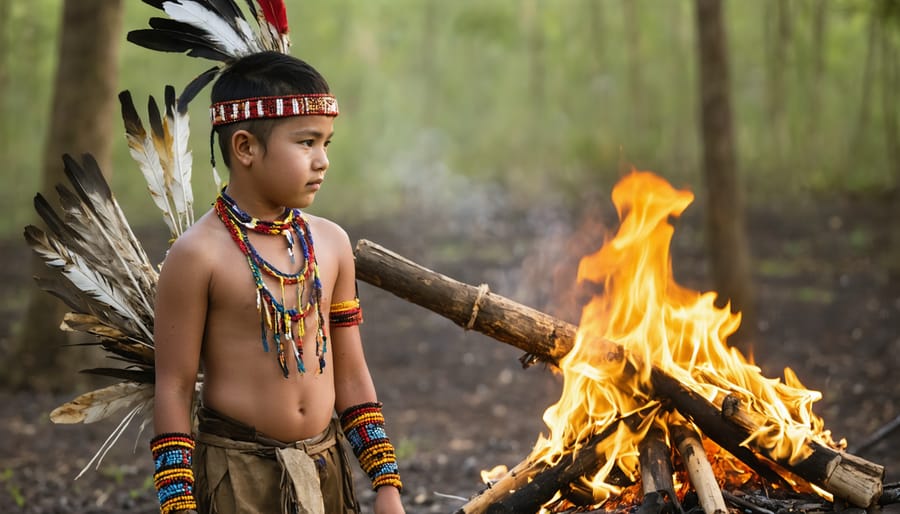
(320, 163)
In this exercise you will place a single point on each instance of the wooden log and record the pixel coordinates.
(511, 482)
(891, 494)
(471, 307)
(702, 476)
(542, 485)
(843, 474)
(656, 464)
(846, 476)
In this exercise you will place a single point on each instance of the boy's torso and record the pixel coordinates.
(243, 381)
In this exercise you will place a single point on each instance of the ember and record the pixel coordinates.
(655, 405)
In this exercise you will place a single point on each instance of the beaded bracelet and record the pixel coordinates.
(173, 476)
(363, 425)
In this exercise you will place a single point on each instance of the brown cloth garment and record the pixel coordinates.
(238, 470)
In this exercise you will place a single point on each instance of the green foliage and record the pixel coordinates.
(12, 487)
(543, 100)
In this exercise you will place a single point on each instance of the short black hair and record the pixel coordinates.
(262, 74)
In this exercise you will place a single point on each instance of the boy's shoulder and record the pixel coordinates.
(328, 232)
(200, 241)
(325, 226)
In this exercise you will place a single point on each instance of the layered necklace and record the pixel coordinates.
(277, 323)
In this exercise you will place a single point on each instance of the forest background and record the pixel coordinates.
(483, 139)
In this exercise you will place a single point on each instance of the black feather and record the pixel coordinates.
(133, 375)
(195, 86)
(169, 24)
(228, 10)
(130, 115)
(172, 41)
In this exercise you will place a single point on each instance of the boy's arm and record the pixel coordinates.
(355, 397)
(180, 315)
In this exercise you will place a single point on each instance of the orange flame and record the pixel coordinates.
(642, 316)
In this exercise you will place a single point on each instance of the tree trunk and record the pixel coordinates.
(815, 138)
(5, 7)
(84, 106)
(865, 96)
(890, 85)
(635, 65)
(726, 234)
(428, 65)
(532, 25)
(777, 59)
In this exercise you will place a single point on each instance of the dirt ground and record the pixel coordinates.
(458, 402)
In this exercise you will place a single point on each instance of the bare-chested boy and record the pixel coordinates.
(262, 298)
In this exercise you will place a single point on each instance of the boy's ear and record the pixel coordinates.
(243, 146)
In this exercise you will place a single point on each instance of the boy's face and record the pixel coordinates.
(291, 169)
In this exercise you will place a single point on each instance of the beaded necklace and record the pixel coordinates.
(275, 319)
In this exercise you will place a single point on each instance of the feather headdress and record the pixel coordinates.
(99, 268)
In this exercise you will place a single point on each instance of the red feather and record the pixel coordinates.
(276, 14)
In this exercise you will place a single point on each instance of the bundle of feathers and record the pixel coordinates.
(97, 265)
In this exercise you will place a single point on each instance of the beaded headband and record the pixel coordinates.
(233, 111)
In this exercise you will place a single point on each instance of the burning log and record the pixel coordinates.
(534, 484)
(699, 470)
(549, 339)
(656, 465)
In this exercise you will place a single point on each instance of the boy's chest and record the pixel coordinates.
(273, 266)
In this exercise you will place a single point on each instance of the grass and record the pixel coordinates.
(12, 487)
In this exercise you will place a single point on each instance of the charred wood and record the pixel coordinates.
(843, 474)
(744, 505)
(656, 468)
(537, 483)
(890, 495)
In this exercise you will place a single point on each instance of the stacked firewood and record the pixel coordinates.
(724, 421)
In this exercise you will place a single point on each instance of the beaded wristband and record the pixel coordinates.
(173, 476)
(363, 425)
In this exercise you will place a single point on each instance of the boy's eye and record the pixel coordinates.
(307, 142)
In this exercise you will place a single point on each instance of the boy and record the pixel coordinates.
(264, 298)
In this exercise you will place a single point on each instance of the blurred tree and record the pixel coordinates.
(777, 42)
(889, 15)
(726, 233)
(84, 102)
(634, 61)
(5, 8)
(867, 83)
(819, 43)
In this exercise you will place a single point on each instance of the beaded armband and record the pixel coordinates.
(363, 425)
(173, 476)
(346, 314)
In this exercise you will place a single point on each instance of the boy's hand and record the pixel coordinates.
(387, 501)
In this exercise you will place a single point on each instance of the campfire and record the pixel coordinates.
(655, 404)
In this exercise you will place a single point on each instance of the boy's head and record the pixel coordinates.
(255, 91)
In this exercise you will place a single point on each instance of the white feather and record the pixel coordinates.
(178, 132)
(144, 152)
(220, 32)
(114, 436)
(109, 217)
(89, 281)
(102, 403)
